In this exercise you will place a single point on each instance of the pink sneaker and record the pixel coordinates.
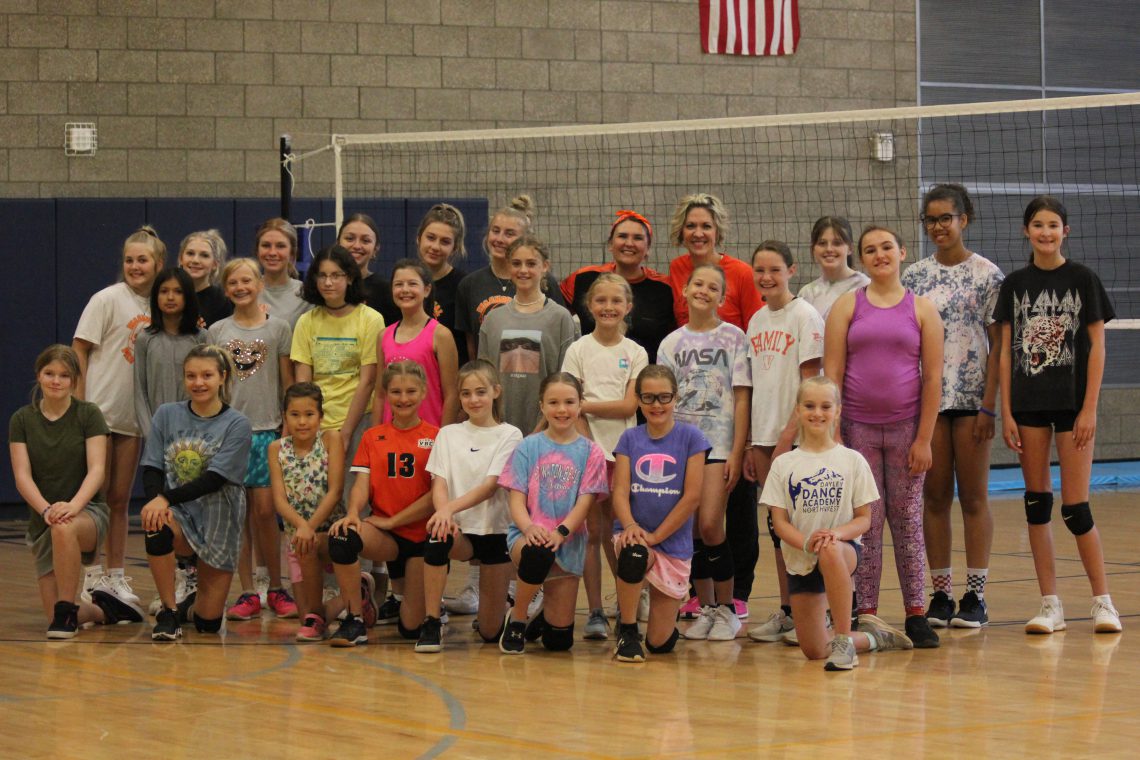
(278, 600)
(312, 629)
(247, 607)
(690, 610)
(740, 607)
(368, 599)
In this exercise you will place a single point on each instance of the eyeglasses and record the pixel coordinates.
(331, 276)
(656, 398)
(938, 221)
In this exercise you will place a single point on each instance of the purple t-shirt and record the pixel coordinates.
(657, 480)
(553, 476)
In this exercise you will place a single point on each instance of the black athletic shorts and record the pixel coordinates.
(812, 583)
(1061, 420)
(490, 549)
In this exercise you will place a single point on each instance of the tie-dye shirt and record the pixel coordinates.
(965, 295)
(553, 476)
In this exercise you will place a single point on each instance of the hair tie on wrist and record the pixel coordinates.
(806, 542)
(987, 412)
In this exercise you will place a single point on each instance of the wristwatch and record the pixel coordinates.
(563, 531)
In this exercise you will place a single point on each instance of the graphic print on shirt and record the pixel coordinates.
(188, 456)
(658, 469)
(248, 357)
(140, 322)
(557, 474)
(334, 356)
(520, 352)
(769, 344)
(489, 304)
(821, 492)
(1042, 332)
(704, 384)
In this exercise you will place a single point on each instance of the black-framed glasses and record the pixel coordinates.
(942, 220)
(656, 398)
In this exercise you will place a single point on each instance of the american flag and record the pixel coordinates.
(750, 27)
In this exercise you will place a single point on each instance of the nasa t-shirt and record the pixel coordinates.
(819, 490)
(657, 479)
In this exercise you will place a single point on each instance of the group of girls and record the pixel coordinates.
(384, 471)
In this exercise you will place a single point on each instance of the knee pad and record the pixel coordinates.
(632, 563)
(558, 639)
(436, 552)
(1038, 507)
(207, 625)
(699, 568)
(534, 564)
(772, 531)
(397, 568)
(161, 543)
(345, 549)
(665, 648)
(1078, 518)
(408, 633)
(720, 562)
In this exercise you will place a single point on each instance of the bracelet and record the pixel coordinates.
(806, 542)
(987, 412)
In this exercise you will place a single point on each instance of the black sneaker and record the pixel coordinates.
(65, 621)
(918, 630)
(628, 647)
(166, 627)
(116, 610)
(535, 627)
(972, 612)
(388, 612)
(941, 610)
(513, 640)
(351, 632)
(185, 608)
(431, 635)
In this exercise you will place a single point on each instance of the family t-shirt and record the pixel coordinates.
(779, 341)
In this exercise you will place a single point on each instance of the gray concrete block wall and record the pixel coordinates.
(195, 92)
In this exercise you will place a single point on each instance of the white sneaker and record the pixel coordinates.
(1105, 617)
(261, 585)
(1051, 618)
(466, 602)
(120, 587)
(535, 606)
(699, 630)
(725, 624)
(790, 638)
(773, 629)
(185, 584)
(643, 606)
(91, 576)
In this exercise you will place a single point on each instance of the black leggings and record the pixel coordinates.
(743, 530)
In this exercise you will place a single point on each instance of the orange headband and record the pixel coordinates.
(625, 215)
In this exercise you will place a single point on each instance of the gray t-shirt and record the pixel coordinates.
(256, 352)
(285, 302)
(526, 348)
(481, 291)
(158, 371)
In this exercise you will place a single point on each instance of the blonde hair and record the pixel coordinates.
(536, 244)
(235, 264)
(818, 381)
(404, 367)
(224, 362)
(609, 278)
(147, 236)
(445, 213)
(699, 200)
(217, 246)
(520, 207)
(289, 231)
(57, 352)
(485, 370)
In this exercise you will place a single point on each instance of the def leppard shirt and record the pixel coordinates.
(1049, 312)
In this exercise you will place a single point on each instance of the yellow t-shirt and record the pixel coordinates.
(336, 348)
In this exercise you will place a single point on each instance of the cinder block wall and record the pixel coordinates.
(190, 95)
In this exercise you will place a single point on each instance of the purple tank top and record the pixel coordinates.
(883, 381)
(420, 349)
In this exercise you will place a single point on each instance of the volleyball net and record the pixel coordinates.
(777, 174)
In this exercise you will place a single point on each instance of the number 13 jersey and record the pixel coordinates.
(395, 462)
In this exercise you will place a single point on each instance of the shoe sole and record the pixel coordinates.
(166, 636)
(938, 622)
(713, 636)
(61, 635)
(287, 616)
(627, 658)
(960, 623)
(831, 666)
(241, 618)
(1108, 628)
(429, 648)
(596, 635)
(1043, 629)
(308, 639)
(103, 599)
(346, 643)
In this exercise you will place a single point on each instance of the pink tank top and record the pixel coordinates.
(420, 349)
(883, 380)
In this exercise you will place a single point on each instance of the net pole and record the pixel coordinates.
(284, 149)
(339, 174)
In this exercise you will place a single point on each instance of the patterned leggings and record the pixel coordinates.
(885, 448)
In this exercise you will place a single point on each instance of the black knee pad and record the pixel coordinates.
(397, 568)
(534, 564)
(720, 562)
(436, 552)
(408, 633)
(160, 543)
(558, 639)
(699, 568)
(345, 549)
(207, 625)
(665, 648)
(772, 531)
(632, 563)
(1078, 518)
(1038, 507)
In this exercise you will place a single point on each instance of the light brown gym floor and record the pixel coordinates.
(994, 692)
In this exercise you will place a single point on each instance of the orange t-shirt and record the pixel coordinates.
(740, 302)
(396, 463)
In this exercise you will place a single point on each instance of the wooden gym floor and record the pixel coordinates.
(989, 693)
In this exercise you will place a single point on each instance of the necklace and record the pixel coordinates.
(540, 299)
(504, 284)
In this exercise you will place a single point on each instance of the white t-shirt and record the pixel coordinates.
(779, 341)
(110, 322)
(465, 455)
(605, 372)
(823, 294)
(818, 490)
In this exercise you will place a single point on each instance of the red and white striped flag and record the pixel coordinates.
(750, 27)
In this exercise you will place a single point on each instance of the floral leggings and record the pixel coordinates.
(885, 447)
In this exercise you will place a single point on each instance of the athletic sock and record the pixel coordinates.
(872, 642)
(115, 572)
(976, 578)
(942, 580)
